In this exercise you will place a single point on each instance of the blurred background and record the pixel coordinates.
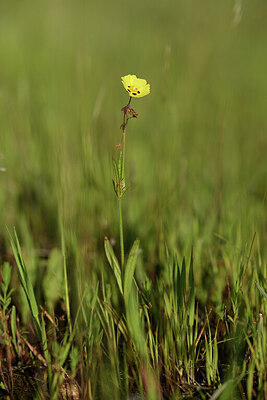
(196, 155)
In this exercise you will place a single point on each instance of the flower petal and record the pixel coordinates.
(144, 91)
(127, 80)
(139, 82)
(136, 87)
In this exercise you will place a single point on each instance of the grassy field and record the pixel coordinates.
(185, 315)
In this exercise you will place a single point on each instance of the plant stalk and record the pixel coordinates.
(124, 125)
(123, 151)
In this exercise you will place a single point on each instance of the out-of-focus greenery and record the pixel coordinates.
(195, 157)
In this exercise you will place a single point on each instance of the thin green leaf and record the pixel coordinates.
(13, 327)
(113, 262)
(120, 167)
(261, 290)
(25, 282)
(130, 268)
(115, 170)
(192, 293)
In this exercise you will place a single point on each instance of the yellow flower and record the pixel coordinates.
(135, 87)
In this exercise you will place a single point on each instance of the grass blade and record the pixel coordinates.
(25, 282)
(130, 268)
(113, 262)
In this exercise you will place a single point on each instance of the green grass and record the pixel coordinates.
(192, 321)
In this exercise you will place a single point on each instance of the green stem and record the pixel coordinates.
(123, 152)
(125, 122)
(121, 235)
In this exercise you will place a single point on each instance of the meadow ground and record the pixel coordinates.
(185, 317)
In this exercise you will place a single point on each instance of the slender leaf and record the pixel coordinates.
(25, 282)
(130, 268)
(13, 327)
(192, 293)
(115, 170)
(113, 262)
(261, 290)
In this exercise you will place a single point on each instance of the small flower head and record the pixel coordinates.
(135, 87)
